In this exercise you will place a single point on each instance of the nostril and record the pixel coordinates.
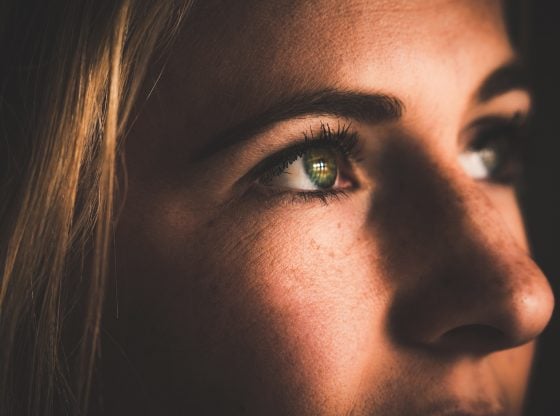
(473, 339)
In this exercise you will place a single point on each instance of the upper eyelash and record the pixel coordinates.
(341, 139)
(517, 126)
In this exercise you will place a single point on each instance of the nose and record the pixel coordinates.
(457, 257)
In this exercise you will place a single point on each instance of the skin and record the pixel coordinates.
(415, 294)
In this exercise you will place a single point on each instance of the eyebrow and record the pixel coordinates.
(370, 108)
(511, 76)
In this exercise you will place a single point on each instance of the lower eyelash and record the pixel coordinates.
(325, 197)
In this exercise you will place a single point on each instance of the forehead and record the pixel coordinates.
(322, 36)
(234, 58)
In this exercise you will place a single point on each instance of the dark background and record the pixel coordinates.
(540, 20)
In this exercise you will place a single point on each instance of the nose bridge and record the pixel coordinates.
(427, 213)
(457, 270)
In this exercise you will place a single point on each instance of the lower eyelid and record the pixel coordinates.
(324, 198)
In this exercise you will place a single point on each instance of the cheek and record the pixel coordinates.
(512, 369)
(318, 287)
(309, 290)
(291, 305)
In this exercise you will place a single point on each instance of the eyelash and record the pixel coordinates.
(344, 142)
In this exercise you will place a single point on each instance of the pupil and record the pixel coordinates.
(320, 167)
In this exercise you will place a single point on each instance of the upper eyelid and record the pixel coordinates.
(505, 105)
(518, 120)
(518, 117)
(285, 134)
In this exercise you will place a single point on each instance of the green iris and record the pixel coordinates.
(320, 167)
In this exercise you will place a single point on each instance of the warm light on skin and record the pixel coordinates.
(414, 294)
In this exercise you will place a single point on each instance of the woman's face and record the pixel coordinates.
(321, 216)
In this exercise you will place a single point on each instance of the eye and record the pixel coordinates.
(321, 165)
(318, 169)
(495, 154)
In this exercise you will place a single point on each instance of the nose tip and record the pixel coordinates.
(528, 312)
(492, 300)
(514, 320)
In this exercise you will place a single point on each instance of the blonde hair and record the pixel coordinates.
(70, 73)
